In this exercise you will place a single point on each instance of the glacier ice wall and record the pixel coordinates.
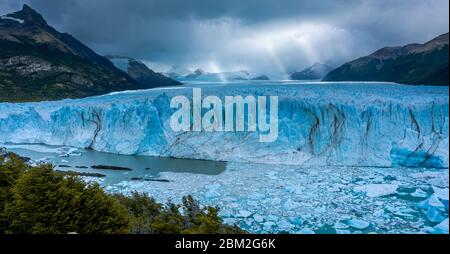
(363, 124)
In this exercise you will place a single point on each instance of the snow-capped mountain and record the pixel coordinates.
(201, 75)
(140, 72)
(314, 72)
(39, 63)
(179, 71)
(261, 77)
(190, 73)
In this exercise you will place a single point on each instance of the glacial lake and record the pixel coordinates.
(141, 166)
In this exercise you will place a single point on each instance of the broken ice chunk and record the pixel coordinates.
(378, 213)
(290, 205)
(294, 189)
(285, 226)
(257, 196)
(434, 201)
(306, 231)
(296, 221)
(272, 218)
(244, 213)
(441, 193)
(268, 225)
(229, 221)
(358, 224)
(441, 228)
(407, 210)
(426, 174)
(212, 194)
(343, 232)
(225, 213)
(339, 225)
(418, 193)
(434, 215)
(377, 190)
(433, 208)
(258, 218)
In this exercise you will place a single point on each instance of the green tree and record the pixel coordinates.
(46, 202)
(149, 217)
(11, 169)
(142, 209)
(204, 220)
(39, 200)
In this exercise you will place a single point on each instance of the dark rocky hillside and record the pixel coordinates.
(423, 64)
(39, 63)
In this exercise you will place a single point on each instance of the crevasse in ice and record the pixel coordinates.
(364, 124)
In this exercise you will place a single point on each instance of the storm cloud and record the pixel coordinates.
(262, 36)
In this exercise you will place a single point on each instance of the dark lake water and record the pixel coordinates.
(142, 166)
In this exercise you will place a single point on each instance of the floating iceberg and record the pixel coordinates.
(441, 228)
(361, 124)
(435, 210)
(358, 224)
(418, 193)
(377, 190)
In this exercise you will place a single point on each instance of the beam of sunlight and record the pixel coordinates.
(216, 69)
(276, 60)
(308, 50)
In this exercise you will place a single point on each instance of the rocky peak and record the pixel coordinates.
(436, 43)
(29, 16)
(199, 72)
(315, 71)
(421, 64)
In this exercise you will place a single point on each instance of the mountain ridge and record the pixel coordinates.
(225, 76)
(423, 64)
(39, 63)
(140, 71)
(315, 71)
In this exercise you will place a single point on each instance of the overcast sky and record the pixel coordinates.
(273, 37)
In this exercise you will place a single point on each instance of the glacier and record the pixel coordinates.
(342, 124)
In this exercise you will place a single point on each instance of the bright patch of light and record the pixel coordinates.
(276, 60)
(281, 43)
(216, 69)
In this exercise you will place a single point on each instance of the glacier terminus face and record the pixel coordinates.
(236, 115)
(342, 124)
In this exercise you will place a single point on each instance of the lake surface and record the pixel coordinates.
(142, 166)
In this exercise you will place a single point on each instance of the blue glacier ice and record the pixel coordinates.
(360, 124)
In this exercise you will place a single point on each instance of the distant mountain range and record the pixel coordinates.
(201, 75)
(39, 63)
(140, 72)
(424, 64)
(178, 71)
(314, 72)
(261, 77)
